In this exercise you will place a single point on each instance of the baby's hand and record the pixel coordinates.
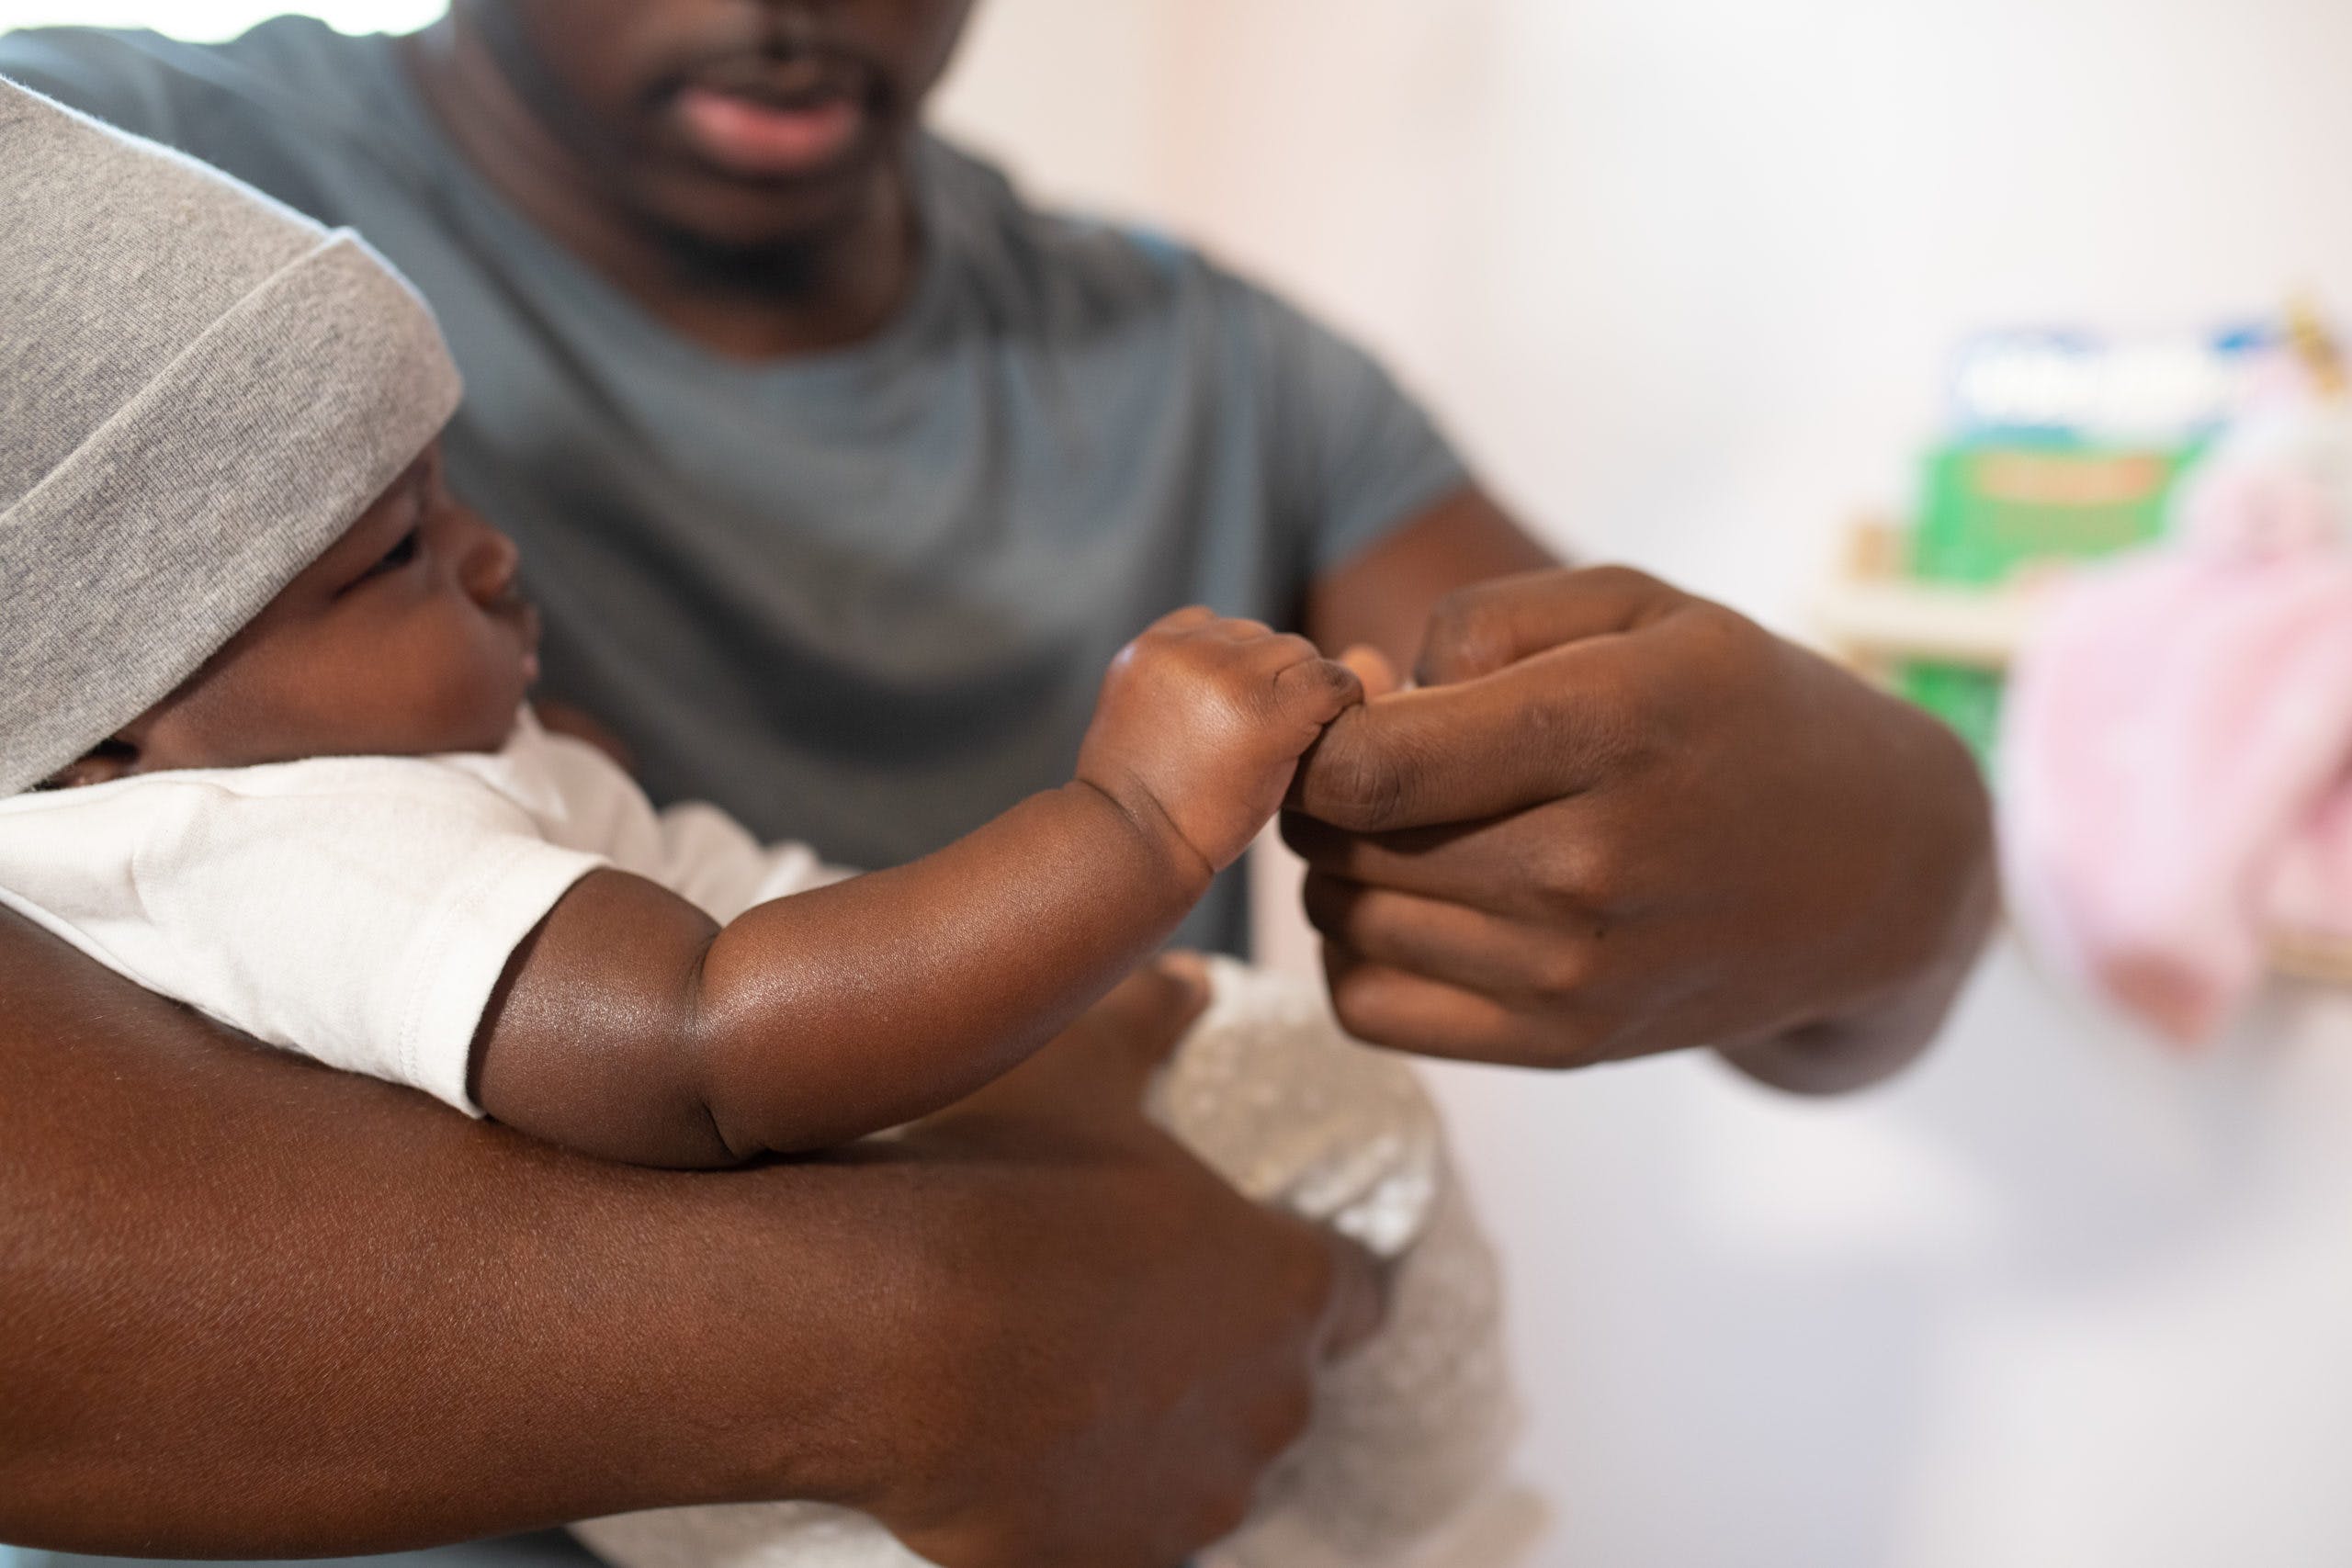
(1200, 724)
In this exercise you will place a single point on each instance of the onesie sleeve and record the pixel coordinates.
(358, 911)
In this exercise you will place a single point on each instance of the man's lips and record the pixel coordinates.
(769, 138)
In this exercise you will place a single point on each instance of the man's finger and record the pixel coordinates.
(1482, 864)
(1480, 629)
(1451, 943)
(1547, 726)
(1429, 1018)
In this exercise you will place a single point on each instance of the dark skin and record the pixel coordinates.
(1772, 753)
(631, 1025)
(1614, 819)
(256, 1308)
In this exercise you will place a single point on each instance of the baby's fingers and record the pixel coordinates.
(1314, 692)
(1192, 617)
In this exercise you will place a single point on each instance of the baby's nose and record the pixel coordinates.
(491, 561)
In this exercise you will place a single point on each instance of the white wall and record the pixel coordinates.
(1682, 275)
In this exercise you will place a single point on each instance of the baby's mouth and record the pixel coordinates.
(521, 618)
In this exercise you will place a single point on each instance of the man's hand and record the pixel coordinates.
(1196, 1320)
(1616, 820)
(1200, 727)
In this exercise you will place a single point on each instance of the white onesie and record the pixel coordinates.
(361, 910)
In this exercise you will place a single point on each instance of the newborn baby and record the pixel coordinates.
(263, 748)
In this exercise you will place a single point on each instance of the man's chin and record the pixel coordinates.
(771, 235)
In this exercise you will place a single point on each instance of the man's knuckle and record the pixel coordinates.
(1622, 581)
(1724, 626)
(1604, 874)
(1562, 972)
(1723, 652)
(1468, 628)
(1565, 872)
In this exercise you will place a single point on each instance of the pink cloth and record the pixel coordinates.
(2177, 752)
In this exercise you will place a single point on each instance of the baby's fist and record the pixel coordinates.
(1200, 724)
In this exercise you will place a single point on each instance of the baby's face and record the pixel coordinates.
(407, 637)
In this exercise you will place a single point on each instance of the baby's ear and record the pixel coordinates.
(102, 764)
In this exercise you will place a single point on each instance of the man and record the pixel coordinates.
(839, 473)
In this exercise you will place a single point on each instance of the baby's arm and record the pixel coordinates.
(630, 1025)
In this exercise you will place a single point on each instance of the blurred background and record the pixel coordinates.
(1686, 278)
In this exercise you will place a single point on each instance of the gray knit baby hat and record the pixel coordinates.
(199, 391)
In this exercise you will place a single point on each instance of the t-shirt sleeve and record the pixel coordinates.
(1355, 455)
(130, 80)
(255, 107)
(363, 919)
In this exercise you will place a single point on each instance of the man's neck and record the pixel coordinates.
(834, 290)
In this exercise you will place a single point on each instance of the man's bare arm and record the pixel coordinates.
(1382, 596)
(249, 1307)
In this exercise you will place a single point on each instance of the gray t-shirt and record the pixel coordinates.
(865, 598)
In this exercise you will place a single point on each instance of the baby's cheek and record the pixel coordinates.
(468, 685)
(492, 689)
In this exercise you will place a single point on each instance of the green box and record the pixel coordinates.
(1991, 507)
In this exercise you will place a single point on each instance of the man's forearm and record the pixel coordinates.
(255, 1308)
(1948, 888)
(249, 1307)
(1872, 1044)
